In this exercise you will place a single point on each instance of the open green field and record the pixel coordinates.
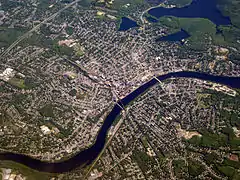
(203, 32)
(9, 35)
(122, 7)
(230, 8)
(25, 171)
(199, 29)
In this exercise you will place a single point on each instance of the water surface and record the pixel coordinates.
(87, 156)
(178, 36)
(126, 24)
(197, 9)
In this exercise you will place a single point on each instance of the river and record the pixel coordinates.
(87, 156)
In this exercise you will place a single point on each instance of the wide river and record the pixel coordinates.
(87, 156)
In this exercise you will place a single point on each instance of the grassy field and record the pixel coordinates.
(122, 7)
(25, 171)
(203, 32)
(199, 29)
(229, 36)
(9, 35)
(17, 83)
(230, 8)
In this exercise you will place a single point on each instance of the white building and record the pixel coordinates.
(7, 74)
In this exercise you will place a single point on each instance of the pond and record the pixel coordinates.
(126, 24)
(178, 36)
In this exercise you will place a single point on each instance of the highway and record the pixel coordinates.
(27, 34)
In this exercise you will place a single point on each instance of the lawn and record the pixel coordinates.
(199, 29)
(25, 171)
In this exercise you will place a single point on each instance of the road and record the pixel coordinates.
(36, 28)
(141, 17)
(116, 128)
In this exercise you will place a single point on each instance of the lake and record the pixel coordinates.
(197, 9)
